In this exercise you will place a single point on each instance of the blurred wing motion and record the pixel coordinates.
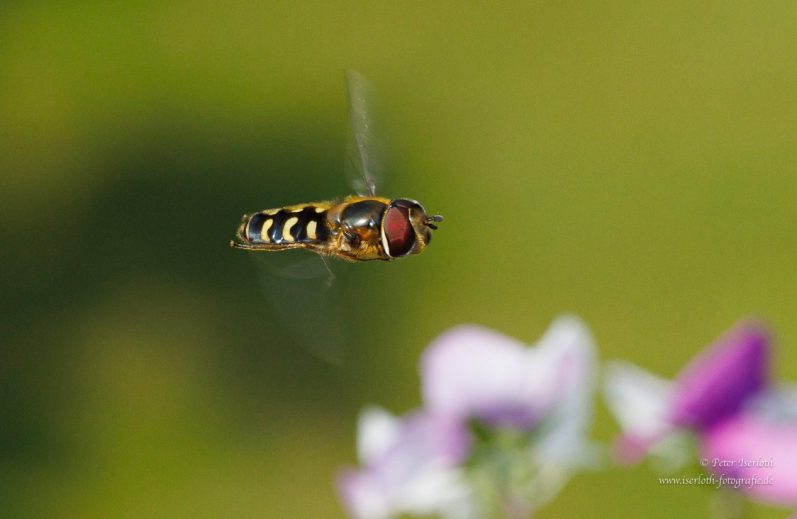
(302, 298)
(300, 290)
(356, 228)
(364, 149)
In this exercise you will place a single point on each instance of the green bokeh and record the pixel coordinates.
(630, 162)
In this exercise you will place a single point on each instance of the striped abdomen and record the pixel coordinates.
(286, 227)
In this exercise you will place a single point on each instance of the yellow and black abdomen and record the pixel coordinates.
(287, 227)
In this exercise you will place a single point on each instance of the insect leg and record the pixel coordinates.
(243, 246)
(331, 275)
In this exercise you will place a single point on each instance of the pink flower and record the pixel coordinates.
(654, 413)
(758, 447)
(747, 431)
(423, 463)
(474, 372)
(410, 465)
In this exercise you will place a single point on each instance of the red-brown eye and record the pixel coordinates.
(399, 234)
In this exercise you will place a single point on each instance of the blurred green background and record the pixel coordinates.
(630, 162)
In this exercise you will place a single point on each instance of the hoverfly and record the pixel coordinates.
(356, 228)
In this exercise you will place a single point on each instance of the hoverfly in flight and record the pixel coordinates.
(360, 227)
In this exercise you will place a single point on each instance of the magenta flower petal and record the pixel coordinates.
(716, 384)
(768, 446)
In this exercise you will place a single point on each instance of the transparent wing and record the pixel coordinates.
(302, 299)
(364, 149)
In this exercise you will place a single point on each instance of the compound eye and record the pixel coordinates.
(406, 203)
(399, 234)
